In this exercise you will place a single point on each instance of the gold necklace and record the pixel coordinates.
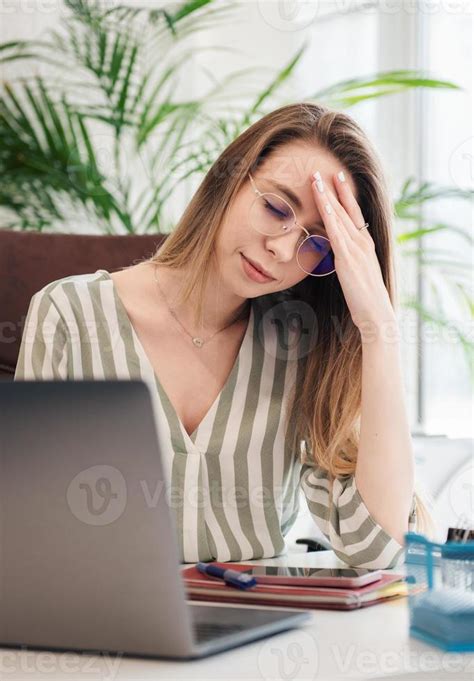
(197, 340)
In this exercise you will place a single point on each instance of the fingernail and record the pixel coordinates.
(319, 181)
(328, 208)
(341, 176)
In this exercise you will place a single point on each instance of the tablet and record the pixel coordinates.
(307, 576)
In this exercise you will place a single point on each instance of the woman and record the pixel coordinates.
(261, 384)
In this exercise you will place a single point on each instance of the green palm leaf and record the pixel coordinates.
(416, 234)
(414, 195)
(42, 150)
(349, 92)
(282, 76)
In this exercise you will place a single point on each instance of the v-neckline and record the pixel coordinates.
(191, 437)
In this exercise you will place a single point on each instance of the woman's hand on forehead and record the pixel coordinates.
(357, 266)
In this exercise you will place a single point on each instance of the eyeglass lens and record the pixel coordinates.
(272, 215)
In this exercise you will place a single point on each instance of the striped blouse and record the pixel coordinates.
(237, 478)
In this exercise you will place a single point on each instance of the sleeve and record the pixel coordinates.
(44, 344)
(342, 516)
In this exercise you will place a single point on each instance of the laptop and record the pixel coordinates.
(89, 558)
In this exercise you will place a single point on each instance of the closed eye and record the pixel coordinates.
(272, 209)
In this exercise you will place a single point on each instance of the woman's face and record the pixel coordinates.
(292, 165)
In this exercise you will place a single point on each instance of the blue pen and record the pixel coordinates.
(231, 577)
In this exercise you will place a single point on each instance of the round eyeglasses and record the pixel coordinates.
(272, 215)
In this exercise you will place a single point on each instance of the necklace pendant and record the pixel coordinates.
(198, 342)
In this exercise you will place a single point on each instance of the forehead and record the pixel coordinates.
(294, 163)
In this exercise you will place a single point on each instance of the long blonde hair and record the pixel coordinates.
(325, 408)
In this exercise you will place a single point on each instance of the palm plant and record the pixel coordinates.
(111, 89)
(446, 276)
(55, 135)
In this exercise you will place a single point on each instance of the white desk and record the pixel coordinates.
(370, 643)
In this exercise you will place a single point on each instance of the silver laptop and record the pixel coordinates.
(89, 557)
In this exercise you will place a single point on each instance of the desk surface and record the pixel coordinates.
(371, 643)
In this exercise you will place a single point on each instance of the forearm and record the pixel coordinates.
(385, 467)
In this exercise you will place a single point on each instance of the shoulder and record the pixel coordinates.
(66, 285)
(69, 293)
(75, 280)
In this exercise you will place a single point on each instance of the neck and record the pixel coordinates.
(220, 307)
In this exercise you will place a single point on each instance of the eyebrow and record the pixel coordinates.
(294, 198)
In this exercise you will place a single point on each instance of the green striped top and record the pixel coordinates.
(234, 483)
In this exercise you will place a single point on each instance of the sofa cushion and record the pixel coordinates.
(30, 260)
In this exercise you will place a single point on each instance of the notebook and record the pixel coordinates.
(200, 587)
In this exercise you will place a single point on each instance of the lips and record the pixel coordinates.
(258, 267)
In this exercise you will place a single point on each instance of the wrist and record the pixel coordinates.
(378, 331)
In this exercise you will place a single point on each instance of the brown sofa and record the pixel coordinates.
(30, 260)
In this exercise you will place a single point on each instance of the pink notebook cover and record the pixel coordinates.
(205, 588)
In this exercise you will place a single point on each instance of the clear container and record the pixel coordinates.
(440, 581)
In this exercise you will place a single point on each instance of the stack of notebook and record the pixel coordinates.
(201, 587)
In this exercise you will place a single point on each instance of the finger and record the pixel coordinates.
(322, 201)
(345, 219)
(348, 200)
(335, 231)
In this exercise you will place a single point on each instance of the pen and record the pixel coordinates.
(231, 577)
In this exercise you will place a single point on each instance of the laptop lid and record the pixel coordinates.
(89, 558)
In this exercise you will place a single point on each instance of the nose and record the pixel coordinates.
(284, 245)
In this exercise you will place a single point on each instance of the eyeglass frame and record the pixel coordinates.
(308, 235)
